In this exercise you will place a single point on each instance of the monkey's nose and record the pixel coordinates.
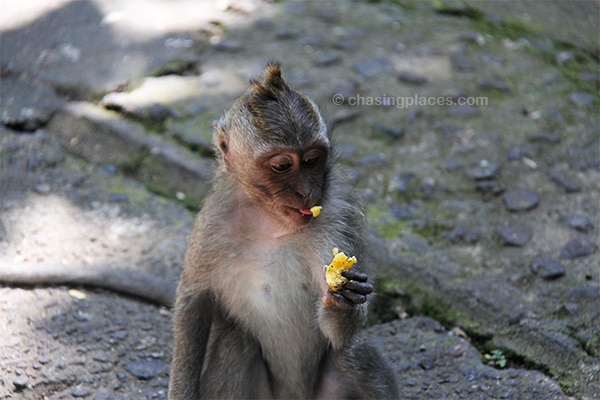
(304, 193)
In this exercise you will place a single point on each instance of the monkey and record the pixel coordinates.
(253, 315)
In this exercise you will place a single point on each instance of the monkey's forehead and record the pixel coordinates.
(292, 137)
(288, 120)
(266, 149)
(281, 122)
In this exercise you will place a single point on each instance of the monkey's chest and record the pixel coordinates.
(276, 297)
(273, 295)
(274, 288)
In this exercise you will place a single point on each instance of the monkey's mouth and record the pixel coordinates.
(301, 215)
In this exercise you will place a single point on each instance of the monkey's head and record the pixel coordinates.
(274, 141)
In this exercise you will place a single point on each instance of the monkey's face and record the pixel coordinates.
(291, 182)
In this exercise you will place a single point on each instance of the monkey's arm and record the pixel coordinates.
(342, 314)
(136, 283)
(192, 322)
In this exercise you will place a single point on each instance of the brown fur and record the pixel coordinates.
(250, 320)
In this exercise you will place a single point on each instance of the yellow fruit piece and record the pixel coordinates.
(339, 264)
(316, 210)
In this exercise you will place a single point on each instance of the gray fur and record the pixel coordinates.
(249, 317)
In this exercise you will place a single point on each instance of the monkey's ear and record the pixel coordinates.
(221, 138)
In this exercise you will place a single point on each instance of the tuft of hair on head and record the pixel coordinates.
(271, 84)
(282, 115)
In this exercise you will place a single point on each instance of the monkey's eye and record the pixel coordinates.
(312, 158)
(311, 161)
(281, 164)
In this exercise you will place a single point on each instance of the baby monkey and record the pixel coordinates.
(254, 316)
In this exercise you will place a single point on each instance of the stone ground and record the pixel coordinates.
(469, 128)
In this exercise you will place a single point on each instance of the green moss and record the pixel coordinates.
(592, 346)
(520, 28)
(136, 161)
(384, 307)
(433, 229)
(405, 4)
(457, 9)
(191, 204)
(418, 301)
(440, 310)
(375, 213)
(510, 28)
(387, 226)
(573, 70)
(195, 133)
(437, 222)
(566, 385)
(391, 230)
(135, 194)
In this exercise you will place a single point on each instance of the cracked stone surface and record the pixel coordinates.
(474, 146)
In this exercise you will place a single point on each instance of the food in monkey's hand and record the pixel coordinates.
(339, 264)
(315, 211)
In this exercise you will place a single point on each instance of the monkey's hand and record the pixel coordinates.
(353, 292)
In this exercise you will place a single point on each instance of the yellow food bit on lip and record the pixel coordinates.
(339, 264)
(316, 210)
